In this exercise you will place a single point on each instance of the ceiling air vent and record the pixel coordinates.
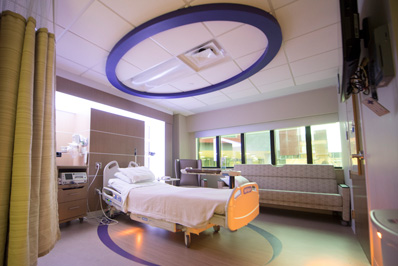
(206, 55)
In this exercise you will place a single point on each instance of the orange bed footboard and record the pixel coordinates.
(243, 206)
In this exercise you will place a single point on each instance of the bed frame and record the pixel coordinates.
(241, 208)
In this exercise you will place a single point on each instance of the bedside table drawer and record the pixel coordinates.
(72, 209)
(71, 194)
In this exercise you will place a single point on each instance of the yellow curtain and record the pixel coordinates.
(28, 183)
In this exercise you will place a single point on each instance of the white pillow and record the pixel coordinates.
(138, 174)
(239, 180)
(123, 177)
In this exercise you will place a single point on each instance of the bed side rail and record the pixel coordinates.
(112, 197)
(243, 206)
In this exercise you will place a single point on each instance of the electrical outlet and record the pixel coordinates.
(98, 165)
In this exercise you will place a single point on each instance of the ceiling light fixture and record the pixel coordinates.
(258, 18)
(161, 74)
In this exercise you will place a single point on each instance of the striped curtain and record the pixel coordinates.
(28, 183)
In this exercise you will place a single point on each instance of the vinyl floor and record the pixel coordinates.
(274, 238)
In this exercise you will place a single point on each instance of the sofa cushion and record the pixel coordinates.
(288, 170)
(295, 184)
(322, 199)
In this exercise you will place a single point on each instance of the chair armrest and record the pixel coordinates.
(344, 191)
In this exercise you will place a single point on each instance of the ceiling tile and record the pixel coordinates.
(59, 31)
(138, 11)
(304, 16)
(97, 77)
(243, 41)
(188, 103)
(67, 65)
(316, 42)
(125, 70)
(164, 89)
(316, 63)
(79, 50)
(243, 93)
(220, 27)
(319, 75)
(276, 85)
(93, 27)
(100, 67)
(213, 98)
(245, 62)
(243, 85)
(271, 75)
(279, 3)
(220, 72)
(279, 59)
(208, 96)
(309, 28)
(146, 54)
(256, 3)
(184, 38)
(66, 12)
(192, 82)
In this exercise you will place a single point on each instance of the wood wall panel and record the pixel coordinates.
(107, 122)
(112, 138)
(117, 144)
(123, 161)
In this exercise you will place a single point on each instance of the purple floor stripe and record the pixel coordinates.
(105, 238)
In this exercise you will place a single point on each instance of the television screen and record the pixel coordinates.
(350, 32)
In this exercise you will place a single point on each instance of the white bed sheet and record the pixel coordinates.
(124, 188)
(191, 207)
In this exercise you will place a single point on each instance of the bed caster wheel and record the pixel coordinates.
(216, 228)
(187, 240)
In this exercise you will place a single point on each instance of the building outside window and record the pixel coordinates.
(258, 147)
(290, 146)
(207, 151)
(231, 153)
(279, 147)
(326, 144)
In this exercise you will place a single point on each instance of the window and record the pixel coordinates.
(207, 151)
(316, 144)
(326, 144)
(258, 147)
(290, 146)
(231, 152)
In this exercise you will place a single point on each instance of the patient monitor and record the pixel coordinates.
(73, 178)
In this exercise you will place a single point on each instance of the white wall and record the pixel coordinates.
(380, 133)
(316, 105)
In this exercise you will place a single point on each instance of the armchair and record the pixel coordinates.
(187, 180)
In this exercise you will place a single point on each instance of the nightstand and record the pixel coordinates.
(72, 198)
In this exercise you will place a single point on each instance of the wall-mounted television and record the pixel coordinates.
(351, 43)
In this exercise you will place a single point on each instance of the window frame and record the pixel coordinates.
(308, 139)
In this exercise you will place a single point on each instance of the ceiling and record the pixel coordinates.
(310, 56)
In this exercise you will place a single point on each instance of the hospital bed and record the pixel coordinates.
(180, 209)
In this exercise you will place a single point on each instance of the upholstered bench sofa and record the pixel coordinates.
(303, 186)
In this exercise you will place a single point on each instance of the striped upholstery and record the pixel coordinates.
(306, 186)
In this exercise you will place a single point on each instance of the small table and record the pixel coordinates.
(170, 179)
(218, 172)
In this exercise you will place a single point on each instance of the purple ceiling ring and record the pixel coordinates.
(210, 12)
